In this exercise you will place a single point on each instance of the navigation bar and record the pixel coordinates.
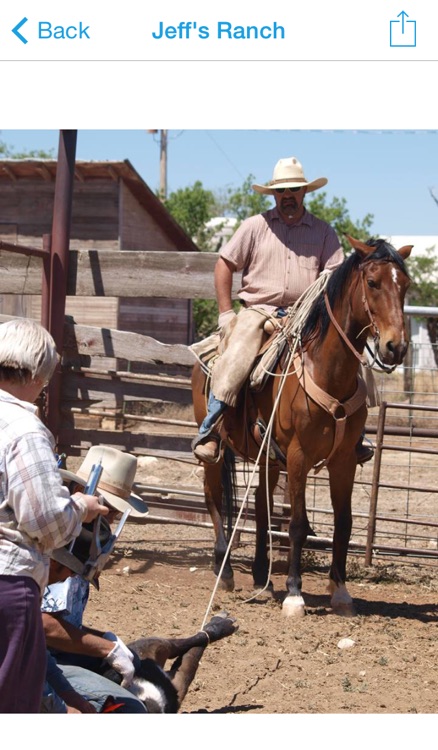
(340, 30)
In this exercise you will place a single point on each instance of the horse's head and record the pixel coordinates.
(384, 284)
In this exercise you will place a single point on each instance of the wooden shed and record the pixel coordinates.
(113, 209)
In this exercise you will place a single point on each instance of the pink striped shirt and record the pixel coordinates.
(279, 261)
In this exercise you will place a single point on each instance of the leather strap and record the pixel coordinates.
(360, 357)
(339, 410)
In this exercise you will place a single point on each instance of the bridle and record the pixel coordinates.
(372, 326)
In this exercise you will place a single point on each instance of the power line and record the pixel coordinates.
(207, 132)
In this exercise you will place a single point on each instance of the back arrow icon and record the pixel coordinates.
(16, 28)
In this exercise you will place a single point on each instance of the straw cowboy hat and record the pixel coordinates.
(288, 173)
(115, 483)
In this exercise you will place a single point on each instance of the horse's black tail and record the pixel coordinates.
(229, 489)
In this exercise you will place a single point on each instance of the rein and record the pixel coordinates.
(376, 337)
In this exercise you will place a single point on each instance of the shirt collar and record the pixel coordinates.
(307, 217)
(5, 396)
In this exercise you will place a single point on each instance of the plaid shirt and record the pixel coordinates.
(37, 513)
(280, 261)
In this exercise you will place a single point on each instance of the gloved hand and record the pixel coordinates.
(225, 318)
(121, 659)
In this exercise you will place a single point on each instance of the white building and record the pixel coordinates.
(222, 228)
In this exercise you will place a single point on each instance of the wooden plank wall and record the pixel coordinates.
(88, 384)
(111, 273)
(95, 212)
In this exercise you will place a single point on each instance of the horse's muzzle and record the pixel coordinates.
(392, 353)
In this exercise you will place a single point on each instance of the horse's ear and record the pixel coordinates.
(359, 246)
(405, 251)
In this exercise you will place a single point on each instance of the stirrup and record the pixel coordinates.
(364, 452)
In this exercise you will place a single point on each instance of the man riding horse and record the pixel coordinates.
(280, 252)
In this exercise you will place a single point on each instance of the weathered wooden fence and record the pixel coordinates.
(149, 413)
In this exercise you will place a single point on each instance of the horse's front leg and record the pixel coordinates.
(299, 528)
(341, 472)
(213, 498)
(263, 495)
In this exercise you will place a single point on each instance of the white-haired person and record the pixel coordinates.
(37, 513)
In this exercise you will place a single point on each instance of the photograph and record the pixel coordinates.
(219, 404)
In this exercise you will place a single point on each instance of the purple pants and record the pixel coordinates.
(22, 646)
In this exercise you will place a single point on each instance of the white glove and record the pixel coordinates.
(225, 318)
(121, 659)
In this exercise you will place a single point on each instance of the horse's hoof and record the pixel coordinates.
(226, 584)
(341, 601)
(293, 606)
(345, 610)
(268, 591)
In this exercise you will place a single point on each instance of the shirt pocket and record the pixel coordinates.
(309, 262)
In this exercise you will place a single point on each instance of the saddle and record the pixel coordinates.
(207, 351)
(267, 360)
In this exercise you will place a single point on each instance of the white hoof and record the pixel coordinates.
(293, 606)
(341, 601)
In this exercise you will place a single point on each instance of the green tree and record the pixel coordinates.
(423, 291)
(244, 202)
(8, 152)
(192, 207)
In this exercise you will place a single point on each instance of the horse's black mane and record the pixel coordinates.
(318, 319)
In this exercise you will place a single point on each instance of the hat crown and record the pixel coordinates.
(289, 173)
(288, 169)
(118, 472)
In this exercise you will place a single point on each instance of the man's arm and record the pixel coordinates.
(223, 282)
(63, 636)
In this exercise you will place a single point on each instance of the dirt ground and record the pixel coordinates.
(160, 583)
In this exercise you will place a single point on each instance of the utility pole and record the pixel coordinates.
(163, 165)
(163, 162)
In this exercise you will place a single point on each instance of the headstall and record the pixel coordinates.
(372, 325)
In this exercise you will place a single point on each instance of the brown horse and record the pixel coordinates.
(317, 412)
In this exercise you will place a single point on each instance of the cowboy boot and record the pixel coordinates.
(364, 453)
(206, 444)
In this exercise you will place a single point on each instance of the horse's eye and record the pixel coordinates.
(371, 283)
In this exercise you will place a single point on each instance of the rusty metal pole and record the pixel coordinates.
(62, 209)
(45, 289)
(375, 484)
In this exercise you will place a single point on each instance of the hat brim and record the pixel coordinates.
(139, 509)
(310, 186)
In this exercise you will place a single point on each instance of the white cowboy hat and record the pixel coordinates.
(116, 480)
(288, 173)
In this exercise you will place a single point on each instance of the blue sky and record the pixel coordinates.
(384, 173)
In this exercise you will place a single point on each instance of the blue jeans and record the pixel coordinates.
(96, 689)
(214, 410)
